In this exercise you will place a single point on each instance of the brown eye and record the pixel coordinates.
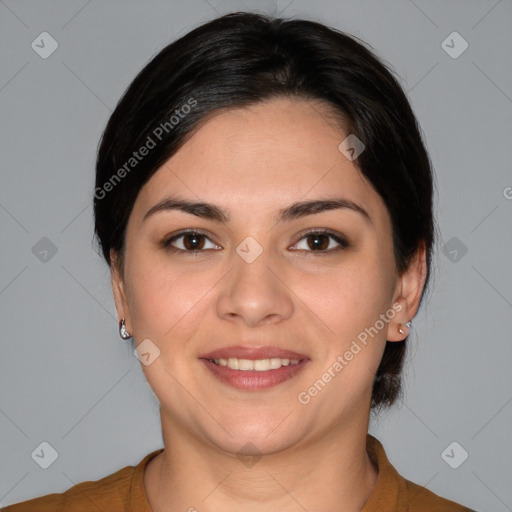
(191, 241)
(320, 242)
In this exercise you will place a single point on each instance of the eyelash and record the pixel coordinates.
(343, 242)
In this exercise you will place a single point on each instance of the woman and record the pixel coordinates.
(264, 201)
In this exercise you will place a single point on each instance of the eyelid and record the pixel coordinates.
(337, 237)
(166, 243)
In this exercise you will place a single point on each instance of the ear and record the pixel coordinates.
(118, 289)
(408, 294)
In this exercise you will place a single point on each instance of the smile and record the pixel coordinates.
(259, 365)
(254, 374)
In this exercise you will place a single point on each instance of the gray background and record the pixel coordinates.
(66, 377)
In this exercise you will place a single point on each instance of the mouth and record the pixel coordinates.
(258, 365)
(254, 368)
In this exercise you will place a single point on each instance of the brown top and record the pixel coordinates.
(123, 491)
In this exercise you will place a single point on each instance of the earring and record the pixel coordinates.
(125, 335)
(407, 324)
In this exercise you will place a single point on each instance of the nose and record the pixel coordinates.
(255, 293)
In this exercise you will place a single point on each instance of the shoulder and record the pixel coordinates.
(112, 493)
(420, 499)
(111, 490)
(394, 493)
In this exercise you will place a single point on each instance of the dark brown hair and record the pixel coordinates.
(245, 58)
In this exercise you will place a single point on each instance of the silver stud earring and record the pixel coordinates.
(125, 335)
(407, 324)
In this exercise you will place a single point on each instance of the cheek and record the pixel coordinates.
(350, 301)
(165, 301)
(350, 297)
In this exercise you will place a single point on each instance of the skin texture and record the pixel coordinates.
(253, 162)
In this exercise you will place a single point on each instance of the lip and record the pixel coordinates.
(253, 353)
(252, 380)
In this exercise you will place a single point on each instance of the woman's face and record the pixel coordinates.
(261, 284)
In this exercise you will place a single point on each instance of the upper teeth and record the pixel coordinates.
(259, 365)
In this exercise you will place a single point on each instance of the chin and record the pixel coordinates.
(258, 434)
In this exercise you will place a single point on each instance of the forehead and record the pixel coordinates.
(258, 159)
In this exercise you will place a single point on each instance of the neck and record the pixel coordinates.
(330, 473)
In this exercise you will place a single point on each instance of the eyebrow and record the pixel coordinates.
(216, 213)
